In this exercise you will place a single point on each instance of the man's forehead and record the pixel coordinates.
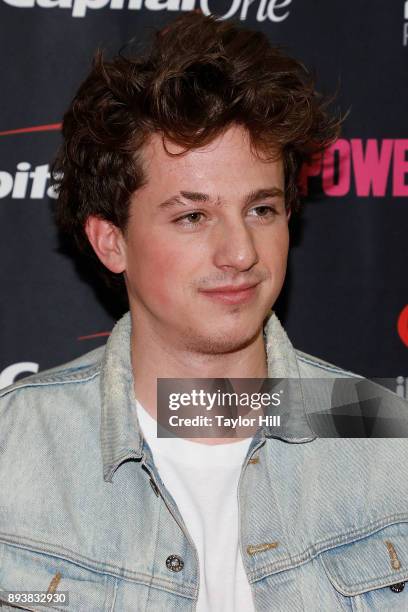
(223, 171)
(235, 141)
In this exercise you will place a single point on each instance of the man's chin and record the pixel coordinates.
(220, 342)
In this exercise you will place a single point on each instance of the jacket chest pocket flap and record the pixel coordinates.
(22, 570)
(373, 570)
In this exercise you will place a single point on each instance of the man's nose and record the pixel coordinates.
(234, 246)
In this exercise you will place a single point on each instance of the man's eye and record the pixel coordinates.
(191, 219)
(263, 211)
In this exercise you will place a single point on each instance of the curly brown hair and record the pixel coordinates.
(199, 76)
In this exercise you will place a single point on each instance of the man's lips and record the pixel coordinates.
(229, 288)
(230, 294)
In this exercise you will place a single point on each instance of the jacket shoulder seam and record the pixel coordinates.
(58, 378)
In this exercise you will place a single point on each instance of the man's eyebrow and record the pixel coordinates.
(263, 194)
(193, 196)
(197, 196)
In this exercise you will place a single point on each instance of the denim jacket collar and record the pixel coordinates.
(121, 437)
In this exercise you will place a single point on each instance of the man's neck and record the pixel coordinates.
(160, 359)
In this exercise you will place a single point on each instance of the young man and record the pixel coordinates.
(179, 171)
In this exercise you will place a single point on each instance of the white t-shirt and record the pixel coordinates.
(203, 480)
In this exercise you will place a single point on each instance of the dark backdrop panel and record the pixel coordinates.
(345, 298)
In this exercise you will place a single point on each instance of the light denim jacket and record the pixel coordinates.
(323, 522)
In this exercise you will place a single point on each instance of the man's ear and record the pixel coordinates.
(108, 243)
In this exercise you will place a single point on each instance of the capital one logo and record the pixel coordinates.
(14, 371)
(26, 182)
(273, 10)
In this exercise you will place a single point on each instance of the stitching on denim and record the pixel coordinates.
(115, 593)
(92, 565)
(254, 460)
(49, 383)
(366, 583)
(395, 562)
(171, 588)
(155, 546)
(252, 549)
(327, 544)
(329, 368)
(52, 587)
(331, 543)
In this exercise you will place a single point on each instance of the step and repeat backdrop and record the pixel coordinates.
(346, 293)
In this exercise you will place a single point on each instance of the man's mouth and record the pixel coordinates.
(232, 294)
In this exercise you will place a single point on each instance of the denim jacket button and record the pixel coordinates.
(397, 587)
(174, 563)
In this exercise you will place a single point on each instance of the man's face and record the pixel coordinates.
(206, 223)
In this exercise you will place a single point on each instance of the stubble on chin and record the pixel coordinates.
(218, 343)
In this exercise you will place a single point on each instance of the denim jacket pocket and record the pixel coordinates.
(372, 572)
(25, 572)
